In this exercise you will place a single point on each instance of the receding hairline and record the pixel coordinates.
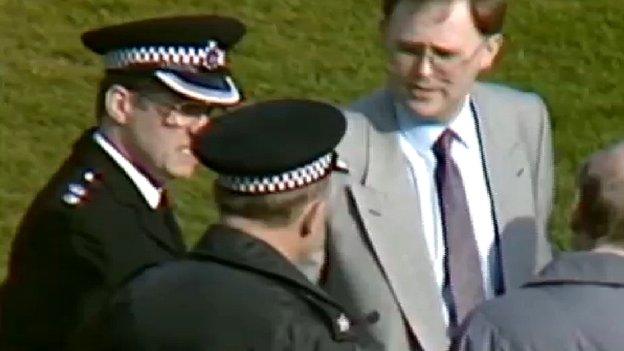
(488, 16)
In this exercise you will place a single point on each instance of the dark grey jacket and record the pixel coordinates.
(575, 304)
(234, 293)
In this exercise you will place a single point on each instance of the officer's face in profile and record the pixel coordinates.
(157, 131)
(435, 54)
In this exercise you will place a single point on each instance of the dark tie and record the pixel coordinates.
(464, 280)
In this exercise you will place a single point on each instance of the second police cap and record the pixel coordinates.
(272, 146)
(186, 53)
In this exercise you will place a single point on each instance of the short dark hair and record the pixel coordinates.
(274, 210)
(488, 15)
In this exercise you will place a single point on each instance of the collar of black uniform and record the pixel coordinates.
(238, 248)
(233, 247)
(582, 268)
(106, 172)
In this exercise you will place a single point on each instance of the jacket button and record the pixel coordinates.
(343, 323)
(89, 176)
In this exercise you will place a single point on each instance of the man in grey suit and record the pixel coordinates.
(575, 303)
(450, 181)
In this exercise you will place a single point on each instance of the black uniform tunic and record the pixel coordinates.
(86, 231)
(234, 293)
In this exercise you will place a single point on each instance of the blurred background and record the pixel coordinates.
(569, 51)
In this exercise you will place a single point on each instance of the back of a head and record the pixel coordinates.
(273, 158)
(600, 210)
(272, 210)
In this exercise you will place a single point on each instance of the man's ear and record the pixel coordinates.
(310, 217)
(493, 47)
(119, 104)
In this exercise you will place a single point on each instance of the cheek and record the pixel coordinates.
(171, 143)
(401, 65)
(458, 83)
(154, 141)
(178, 161)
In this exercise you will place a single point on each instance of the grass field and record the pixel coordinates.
(567, 50)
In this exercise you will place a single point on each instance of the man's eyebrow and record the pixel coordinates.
(412, 46)
(406, 44)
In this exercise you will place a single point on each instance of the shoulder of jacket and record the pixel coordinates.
(370, 101)
(80, 189)
(361, 116)
(505, 92)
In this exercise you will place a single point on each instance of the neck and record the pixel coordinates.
(281, 239)
(443, 119)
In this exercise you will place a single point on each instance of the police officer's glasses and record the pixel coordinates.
(180, 114)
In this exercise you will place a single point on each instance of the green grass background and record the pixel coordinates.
(567, 50)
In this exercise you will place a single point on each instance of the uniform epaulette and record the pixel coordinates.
(78, 191)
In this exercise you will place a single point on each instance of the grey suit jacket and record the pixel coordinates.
(377, 254)
(574, 305)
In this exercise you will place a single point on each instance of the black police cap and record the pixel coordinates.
(176, 30)
(272, 146)
(186, 53)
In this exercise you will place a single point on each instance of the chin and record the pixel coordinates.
(426, 109)
(182, 172)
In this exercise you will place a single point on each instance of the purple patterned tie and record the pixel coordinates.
(464, 280)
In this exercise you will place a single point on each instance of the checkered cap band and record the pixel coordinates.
(210, 56)
(290, 180)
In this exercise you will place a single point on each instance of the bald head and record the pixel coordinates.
(600, 209)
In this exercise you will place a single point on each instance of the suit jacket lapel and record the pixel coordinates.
(508, 175)
(388, 204)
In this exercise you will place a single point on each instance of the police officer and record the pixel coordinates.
(104, 214)
(241, 288)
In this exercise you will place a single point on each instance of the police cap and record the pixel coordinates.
(186, 53)
(272, 146)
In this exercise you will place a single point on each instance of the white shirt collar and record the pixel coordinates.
(145, 187)
(423, 134)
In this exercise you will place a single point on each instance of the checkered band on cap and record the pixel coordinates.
(289, 180)
(210, 56)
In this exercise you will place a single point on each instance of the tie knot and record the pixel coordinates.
(442, 146)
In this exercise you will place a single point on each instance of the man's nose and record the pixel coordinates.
(422, 66)
(198, 124)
